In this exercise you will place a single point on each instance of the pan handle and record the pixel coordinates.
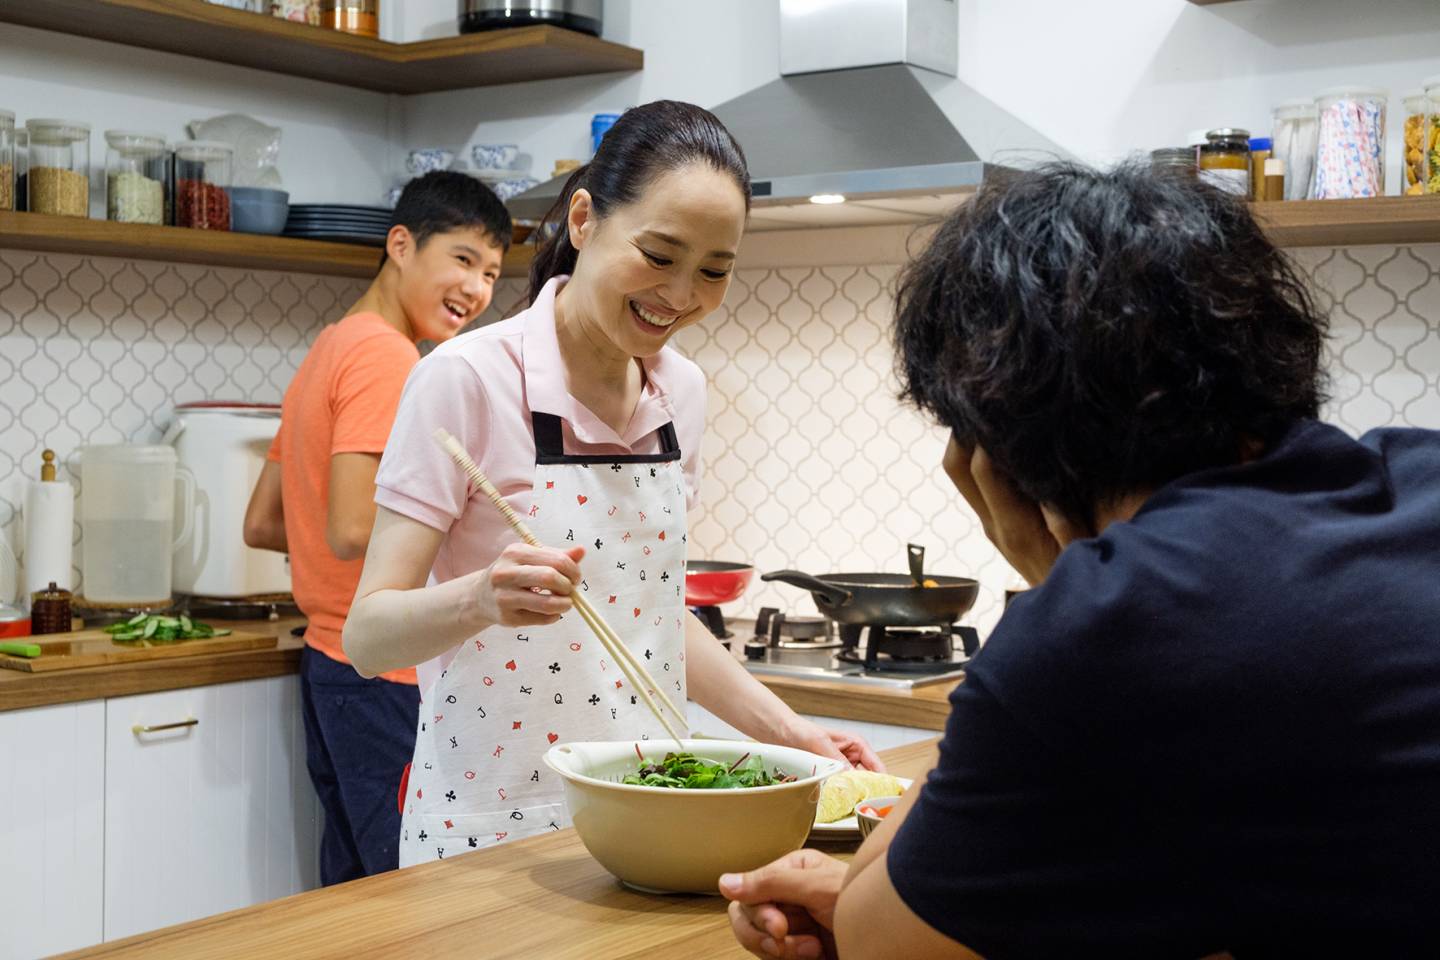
(917, 563)
(829, 592)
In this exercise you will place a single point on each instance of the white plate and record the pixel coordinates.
(848, 827)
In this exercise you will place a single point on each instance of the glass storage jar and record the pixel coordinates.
(202, 172)
(58, 179)
(300, 11)
(1350, 155)
(1296, 127)
(1225, 160)
(360, 17)
(7, 160)
(1430, 137)
(136, 177)
(1176, 159)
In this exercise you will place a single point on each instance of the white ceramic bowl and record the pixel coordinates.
(665, 840)
(494, 156)
(428, 160)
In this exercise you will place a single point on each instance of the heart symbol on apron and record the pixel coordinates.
(510, 665)
(637, 611)
(662, 534)
(552, 737)
(581, 499)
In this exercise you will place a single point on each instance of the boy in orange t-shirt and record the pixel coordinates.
(315, 498)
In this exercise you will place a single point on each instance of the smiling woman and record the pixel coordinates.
(590, 428)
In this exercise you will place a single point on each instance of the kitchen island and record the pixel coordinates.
(541, 897)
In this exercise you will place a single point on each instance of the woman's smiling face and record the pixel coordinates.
(659, 264)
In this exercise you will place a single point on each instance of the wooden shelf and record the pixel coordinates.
(1343, 223)
(198, 29)
(101, 238)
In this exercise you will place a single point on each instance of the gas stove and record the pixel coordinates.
(875, 654)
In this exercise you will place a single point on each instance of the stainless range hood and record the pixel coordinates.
(851, 116)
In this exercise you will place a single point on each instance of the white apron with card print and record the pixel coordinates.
(477, 778)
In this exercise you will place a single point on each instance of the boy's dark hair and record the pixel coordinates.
(445, 200)
(1103, 333)
(645, 142)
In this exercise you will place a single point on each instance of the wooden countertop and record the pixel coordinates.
(924, 708)
(19, 690)
(542, 897)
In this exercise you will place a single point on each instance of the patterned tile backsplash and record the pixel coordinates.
(810, 463)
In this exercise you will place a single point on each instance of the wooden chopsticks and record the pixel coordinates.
(634, 672)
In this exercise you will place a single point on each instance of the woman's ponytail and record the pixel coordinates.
(556, 256)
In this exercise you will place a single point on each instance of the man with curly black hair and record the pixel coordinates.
(1214, 723)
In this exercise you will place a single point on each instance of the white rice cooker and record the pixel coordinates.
(224, 445)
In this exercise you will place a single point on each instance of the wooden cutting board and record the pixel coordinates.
(96, 648)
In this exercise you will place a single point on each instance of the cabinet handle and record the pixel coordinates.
(140, 728)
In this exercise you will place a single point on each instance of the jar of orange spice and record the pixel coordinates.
(361, 17)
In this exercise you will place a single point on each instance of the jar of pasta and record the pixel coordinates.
(1430, 138)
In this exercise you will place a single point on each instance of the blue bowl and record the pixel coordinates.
(258, 210)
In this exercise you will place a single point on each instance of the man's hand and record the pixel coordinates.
(1013, 523)
(786, 909)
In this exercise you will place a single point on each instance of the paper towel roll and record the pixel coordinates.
(49, 525)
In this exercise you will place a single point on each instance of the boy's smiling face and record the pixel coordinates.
(447, 281)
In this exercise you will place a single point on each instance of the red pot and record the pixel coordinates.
(709, 583)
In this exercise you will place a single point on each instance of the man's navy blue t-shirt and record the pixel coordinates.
(1215, 727)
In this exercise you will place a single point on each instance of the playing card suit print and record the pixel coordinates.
(549, 484)
(515, 725)
(552, 737)
(510, 665)
(449, 825)
(469, 774)
(637, 611)
(662, 534)
(581, 499)
(612, 598)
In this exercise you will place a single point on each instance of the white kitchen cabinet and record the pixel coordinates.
(52, 777)
(207, 817)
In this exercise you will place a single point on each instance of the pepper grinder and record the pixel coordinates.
(49, 530)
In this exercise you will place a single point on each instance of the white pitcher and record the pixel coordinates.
(127, 521)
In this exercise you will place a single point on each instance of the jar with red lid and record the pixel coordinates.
(202, 174)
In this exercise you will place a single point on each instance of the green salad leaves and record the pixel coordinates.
(689, 772)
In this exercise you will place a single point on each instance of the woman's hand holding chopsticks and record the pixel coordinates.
(527, 585)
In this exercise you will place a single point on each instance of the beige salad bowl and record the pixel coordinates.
(667, 840)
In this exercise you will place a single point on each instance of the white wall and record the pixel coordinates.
(1099, 79)
(335, 146)
(701, 52)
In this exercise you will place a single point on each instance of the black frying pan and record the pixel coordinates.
(893, 599)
